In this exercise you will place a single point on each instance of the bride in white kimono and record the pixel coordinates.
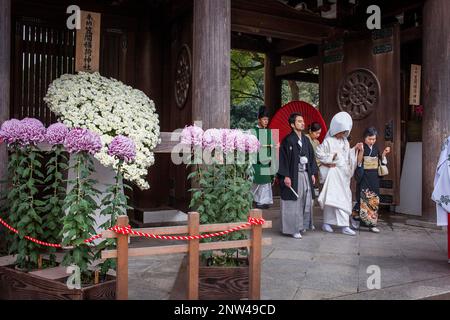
(340, 163)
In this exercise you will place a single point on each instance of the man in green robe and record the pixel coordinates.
(263, 176)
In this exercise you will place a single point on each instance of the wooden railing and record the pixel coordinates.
(192, 248)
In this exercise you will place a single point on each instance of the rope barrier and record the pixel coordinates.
(129, 231)
(42, 243)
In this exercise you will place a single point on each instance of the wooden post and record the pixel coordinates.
(122, 261)
(255, 257)
(211, 63)
(5, 65)
(193, 256)
(272, 83)
(436, 96)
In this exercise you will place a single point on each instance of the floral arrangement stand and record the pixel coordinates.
(47, 284)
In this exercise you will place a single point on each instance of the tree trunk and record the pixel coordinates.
(295, 90)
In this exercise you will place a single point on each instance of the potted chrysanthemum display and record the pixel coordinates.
(109, 108)
(115, 202)
(40, 221)
(79, 203)
(56, 168)
(222, 179)
(26, 211)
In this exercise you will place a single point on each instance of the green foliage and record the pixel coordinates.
(222, 195)
(247, 76)
(114, 204)
(26, 211)
(308, 92)
(4, 211)
(247, 89)
(56, 190)
(78, 223)
(13, 197)
(244, 116)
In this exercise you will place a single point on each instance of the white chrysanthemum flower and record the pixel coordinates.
(108, 107)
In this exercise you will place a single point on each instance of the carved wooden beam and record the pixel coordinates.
(286, 46)
(278, 27)
(302, 77)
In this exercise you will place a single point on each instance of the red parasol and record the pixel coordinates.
(310, 115)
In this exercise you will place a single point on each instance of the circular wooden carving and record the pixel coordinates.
(359, 93)
(183, 76)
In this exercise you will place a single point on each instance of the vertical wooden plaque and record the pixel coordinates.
(87, 54)
(414, 95)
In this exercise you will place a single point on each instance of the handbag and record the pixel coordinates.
(382, 170)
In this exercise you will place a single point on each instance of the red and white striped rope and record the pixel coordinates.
(128, 230)
(42, 243)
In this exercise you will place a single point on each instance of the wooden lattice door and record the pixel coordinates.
(42, 53)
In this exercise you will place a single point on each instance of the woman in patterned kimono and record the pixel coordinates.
(365, 211)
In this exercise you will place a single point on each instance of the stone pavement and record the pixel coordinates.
(412, 260)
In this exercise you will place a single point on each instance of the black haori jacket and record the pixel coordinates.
(290, 153)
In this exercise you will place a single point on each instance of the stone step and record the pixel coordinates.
(159, 216)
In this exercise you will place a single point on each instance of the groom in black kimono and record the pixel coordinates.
(297, 171)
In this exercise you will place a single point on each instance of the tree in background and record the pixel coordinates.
(247, 88)
(295, 90)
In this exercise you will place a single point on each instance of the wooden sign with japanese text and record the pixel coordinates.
(87, 54)
(414, 95)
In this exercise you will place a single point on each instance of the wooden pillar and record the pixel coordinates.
(272, 84)
(436, 95)
(5, 61)
(211, 63)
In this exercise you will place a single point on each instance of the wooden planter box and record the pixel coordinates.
(49, 284)
(215, 283)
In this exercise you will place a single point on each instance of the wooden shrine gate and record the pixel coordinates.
(361, 75)
(192, 248)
